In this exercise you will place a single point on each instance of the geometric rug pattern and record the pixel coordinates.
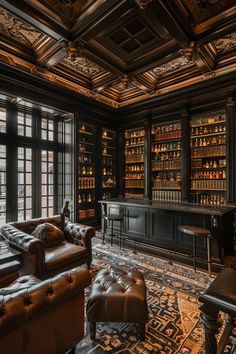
(172, 295)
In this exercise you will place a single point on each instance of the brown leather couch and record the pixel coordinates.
(43, 317)
(44, 262)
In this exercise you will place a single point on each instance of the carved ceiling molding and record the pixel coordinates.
(120, 86)
(226, 43)
(58, 80)
(18, 29)
(84, 66)
(171, 66)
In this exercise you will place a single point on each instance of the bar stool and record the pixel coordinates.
(197, 231)
(113, 217)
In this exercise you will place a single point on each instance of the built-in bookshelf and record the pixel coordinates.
(208, 159)
(134, 163)
(166, 162)
(86, 172)
(108, 138)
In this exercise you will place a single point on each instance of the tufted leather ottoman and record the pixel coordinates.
(118, 296)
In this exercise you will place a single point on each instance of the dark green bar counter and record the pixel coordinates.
(155, 226)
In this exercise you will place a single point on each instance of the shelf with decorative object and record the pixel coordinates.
(108, 163)
(208, 159)
(166, 161)
(134, 163)
(86, 174)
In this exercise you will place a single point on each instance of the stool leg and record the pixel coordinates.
(141, 331)
(92, 330)
(104, 228)
(209, 254)
(124, 243)
(135, 247)
(194, 252)
(111, 232)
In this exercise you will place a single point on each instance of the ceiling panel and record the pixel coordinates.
(114, 51)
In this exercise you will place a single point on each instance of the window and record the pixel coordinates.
(47, 182)
(2, 184)
(47, 129)
(29, 181)
(24, 124)
(24, 183)
(2, 120)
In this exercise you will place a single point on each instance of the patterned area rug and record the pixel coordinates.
(172, 294)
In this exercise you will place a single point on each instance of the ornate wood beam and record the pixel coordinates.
(36, 18)
(205, 58)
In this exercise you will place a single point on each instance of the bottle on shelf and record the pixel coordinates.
(208, 159)
(86, 179)
(166, 160)
(134, 163)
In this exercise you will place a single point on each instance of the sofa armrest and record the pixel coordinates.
(79, 234)
(19, 307)
(21, 240)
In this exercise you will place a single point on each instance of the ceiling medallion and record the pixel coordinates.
(125, 80)
(189, 51)
(72, 51)
(142, 3)
(67, 3)
(206, 3)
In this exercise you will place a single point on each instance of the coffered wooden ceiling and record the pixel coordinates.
(115, 52)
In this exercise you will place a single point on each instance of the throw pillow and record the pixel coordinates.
(51, 235)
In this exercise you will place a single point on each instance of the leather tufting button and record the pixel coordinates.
(27, 302)
(50, 291)
(70, 280)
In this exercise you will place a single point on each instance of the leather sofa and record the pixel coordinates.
(43, 317)
(43, 262)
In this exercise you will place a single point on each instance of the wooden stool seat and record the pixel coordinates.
(113, 217)
(198, 231)
(194, 230)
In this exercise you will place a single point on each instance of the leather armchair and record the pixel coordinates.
(44, 262)
(43, 317)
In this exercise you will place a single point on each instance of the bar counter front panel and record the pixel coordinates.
(155, 224)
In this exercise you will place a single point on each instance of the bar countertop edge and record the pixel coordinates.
(180, 206)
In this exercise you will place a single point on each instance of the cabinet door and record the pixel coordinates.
(137, 222)
(162, 227)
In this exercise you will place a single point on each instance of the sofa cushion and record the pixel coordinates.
(63, 255)
(22, 283)
(49, 234)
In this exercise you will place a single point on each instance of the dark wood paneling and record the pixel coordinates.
(137, 222)
(162, 227)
